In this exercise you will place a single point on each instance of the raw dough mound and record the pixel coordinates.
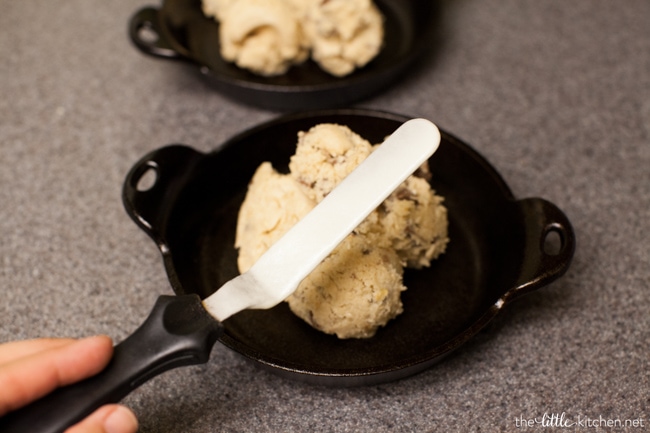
(324, 156)
(267, 37)
(415, 221)
(261, 35)
(344, 34)
(216, 8)
(356, 289)
(273, 204)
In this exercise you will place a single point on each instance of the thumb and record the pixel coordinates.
(112, 418)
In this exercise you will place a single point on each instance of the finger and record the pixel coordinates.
(18, 349)
(31, 377)
(112, 418)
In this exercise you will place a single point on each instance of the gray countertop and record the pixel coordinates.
(555, 94)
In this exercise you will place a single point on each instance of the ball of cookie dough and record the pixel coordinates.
(353, 292)
(415, 222)
(274, 203)
(262, 36)
(412, 221)
(344, 34)
(356, 289)
(325, 155)
(216, 8)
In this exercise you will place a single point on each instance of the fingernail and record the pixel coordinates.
(122, 420)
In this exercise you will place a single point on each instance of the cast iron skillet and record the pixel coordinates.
(179, 30)
(496, 253)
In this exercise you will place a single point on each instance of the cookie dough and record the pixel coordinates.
(262, 36)
(354, 291)
(344, 34)
(324, 156)
(357, 288)
(216, 8)
(414, 219)
(273, 204)
(267, 37)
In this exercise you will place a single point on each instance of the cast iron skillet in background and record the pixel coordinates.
(179, 30)
(496, 253)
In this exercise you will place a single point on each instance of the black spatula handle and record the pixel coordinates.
(178, 332)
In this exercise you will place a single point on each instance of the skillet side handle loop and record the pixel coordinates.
(178, 332)
(152, 184)
(145, 33)
(549, 245)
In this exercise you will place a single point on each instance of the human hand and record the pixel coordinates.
(31, 369)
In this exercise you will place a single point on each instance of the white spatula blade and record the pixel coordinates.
(278, 272)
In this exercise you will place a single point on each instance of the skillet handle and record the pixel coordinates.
(549, 245)
(149, 204)
(145, 33)
(178, 332)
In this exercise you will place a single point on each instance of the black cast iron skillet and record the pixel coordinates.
(179, 30)
(496, 253)
(496, 250)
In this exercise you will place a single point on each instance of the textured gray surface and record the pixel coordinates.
(555, 94)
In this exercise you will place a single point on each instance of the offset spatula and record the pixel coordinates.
(181, 330)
